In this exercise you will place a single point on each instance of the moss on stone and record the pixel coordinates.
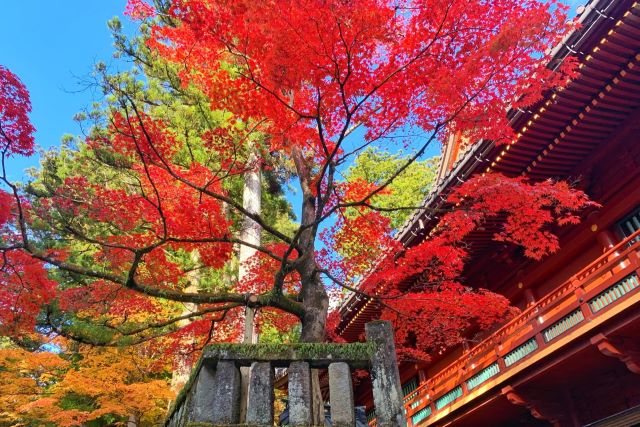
(299, 351)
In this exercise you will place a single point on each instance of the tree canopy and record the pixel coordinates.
(130, 234)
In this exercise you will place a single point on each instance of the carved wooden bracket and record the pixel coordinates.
(615, 347)
(536, 412)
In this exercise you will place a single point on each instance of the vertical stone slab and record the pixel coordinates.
(186, 410)
(260, 401)
(299, 394)
(202, 396)
(178, 419)
(175, 419)
(225, 406)
(387, 391)
(178, 415)
(341, 395)
(244, 392)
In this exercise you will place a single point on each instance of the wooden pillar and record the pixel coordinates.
(529, 297)
(422, 376)
(571, 408)
(606, 240)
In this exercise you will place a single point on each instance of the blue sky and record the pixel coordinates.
(50, 45)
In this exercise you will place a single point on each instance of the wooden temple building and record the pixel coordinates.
(572, 356)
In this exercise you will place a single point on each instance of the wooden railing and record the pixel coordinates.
(589, 294)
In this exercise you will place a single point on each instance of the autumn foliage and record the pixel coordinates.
(438, 311)
(16, 133)
(74, 388)
(140, 248)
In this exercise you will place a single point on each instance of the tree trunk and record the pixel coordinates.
(315, 301)
(316, 305)
(252, 202)
(132, 421)
(250, 233)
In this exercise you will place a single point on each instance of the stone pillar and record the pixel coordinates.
(299, 394)
(341, 395)
(225, 407)
(202, 398)
(387, 390)
(260, 406)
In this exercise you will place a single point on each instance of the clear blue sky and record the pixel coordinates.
(50, 44)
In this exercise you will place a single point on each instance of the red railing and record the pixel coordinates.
(534, 329)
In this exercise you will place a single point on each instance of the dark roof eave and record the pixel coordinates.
(591, 20)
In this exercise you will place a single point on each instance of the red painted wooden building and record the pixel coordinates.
(572, 356)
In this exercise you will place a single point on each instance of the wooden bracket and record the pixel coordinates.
(517, 399)
(619, 349)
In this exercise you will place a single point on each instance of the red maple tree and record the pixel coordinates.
(296, 77)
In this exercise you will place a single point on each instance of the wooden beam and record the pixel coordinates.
(617, 348)
(516, 398)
